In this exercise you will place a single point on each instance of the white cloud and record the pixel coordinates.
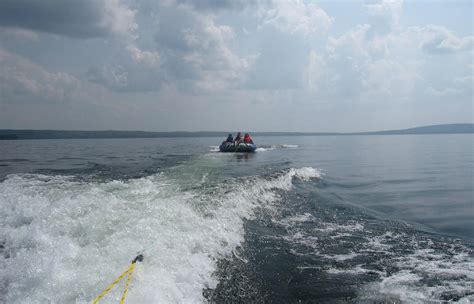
(24, 81)
(296, 16)
(316, 76)
(383, 16)
(118, 18)
(150, 58)
(361, 66)
(465, 80)
(112, 76)
(354, 39)
(211, 56)
(388, 78)
(439, 40)
(392, 65)
(188, 50)
(443, 92)
(274, 55)
(457, 87)
(390, 9)
(213, 5)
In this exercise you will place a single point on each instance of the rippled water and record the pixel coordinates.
(350, 219)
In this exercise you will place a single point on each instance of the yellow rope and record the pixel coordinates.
(129, 271)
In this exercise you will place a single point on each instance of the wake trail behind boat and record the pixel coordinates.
(63, 237)
(266, 227)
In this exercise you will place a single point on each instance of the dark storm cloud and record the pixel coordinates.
(78, 19)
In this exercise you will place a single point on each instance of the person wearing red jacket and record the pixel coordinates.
(247, 139)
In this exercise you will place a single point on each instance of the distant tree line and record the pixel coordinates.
(62, 134)
(8, 136)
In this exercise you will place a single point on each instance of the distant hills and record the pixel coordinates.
(58, 134)
(436, 129)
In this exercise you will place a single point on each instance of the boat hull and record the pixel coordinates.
(242, 147)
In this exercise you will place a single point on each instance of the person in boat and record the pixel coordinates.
(229, 139)
(248, 139)
(238, 138)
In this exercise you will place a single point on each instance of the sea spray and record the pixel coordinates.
(65, 239)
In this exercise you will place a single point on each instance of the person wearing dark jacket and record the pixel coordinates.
(229, 139)
(238, 138)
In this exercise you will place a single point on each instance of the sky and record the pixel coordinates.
(229, 65)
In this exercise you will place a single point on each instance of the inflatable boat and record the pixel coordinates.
(241, 147)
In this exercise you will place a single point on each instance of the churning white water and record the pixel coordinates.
(64, 240)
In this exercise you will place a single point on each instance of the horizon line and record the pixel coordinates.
(208, 131)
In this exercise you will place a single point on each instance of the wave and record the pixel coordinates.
(426, 275)
(273, 147)
(409, 267)
(64, 239)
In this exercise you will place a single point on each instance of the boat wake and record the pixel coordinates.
(262, 148)
(65, 238)
(383, 261)
(273, 147)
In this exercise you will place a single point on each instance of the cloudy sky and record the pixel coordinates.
(235, 65)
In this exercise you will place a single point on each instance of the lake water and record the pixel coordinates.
(336, 219)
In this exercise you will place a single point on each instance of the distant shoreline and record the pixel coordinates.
(10, 134)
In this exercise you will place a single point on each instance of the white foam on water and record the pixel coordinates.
(273, 147)
(340, 235)
(306, 173)
(214, 148)
(262, 149)
(424, 275)
(332, 227)
(340, 257)
(450, 274)
(376, 243)
(357, 270)
(290, 221)
(66, 240)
